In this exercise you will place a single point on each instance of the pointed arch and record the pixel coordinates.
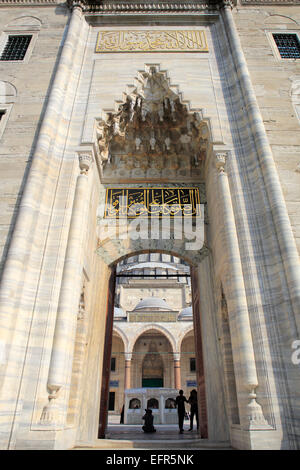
(183, 334)
(122, 336)
(155, 327)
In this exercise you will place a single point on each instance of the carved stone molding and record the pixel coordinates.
(111, 7)
(270, 2)
(146, 7)
(227, 4)
(29, 3)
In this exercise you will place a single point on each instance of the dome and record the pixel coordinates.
(119, 312)
(153, 302)
(186, 314)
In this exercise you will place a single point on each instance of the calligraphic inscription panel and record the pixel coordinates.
(153, 317)
(151, 41)
(147, 202)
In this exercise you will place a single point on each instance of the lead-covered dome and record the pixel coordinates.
(186, 314)
(119, 313)
(152, 302)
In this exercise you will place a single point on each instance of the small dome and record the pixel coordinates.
(186, 314)
(119, 312)
(152, 302)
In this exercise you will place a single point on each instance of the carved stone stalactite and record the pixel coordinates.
(153, 133)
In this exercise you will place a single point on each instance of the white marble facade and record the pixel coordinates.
(238, 141)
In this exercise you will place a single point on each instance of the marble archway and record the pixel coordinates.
(218, 238)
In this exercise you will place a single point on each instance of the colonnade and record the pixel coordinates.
(177, 371)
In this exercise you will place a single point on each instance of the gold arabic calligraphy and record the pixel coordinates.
(133, 202)
(149, 41)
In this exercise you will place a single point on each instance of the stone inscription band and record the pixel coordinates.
(135, 202)
(151, 41)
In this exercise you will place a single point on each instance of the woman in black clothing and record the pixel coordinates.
(148, 418)
(180, 400)
(194, 408)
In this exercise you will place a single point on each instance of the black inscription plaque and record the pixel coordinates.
(147, 202)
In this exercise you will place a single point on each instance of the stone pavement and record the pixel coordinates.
(122, 436)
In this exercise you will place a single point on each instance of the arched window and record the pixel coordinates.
(153, 404)
(134, 404)
(170, 403)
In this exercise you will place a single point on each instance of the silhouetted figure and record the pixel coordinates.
(122, 415)
(180, 400)
(194, 408)
(148, 418)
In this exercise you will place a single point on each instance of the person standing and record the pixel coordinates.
(180, 400)
(194, 408)
(122, 415)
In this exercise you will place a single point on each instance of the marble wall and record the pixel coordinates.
(72, 91)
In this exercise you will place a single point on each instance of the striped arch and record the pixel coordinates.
(182, 335)
(123, 337)
(153, 326)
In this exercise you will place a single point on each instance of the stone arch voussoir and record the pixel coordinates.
(153, 326)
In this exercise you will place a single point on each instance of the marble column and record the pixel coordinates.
(266, 162)
(177, 371)
(162, 409)
(33, 215)
(127, 379)
(250, 411)
(66, 319)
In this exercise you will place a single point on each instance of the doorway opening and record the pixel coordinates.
(155, 350)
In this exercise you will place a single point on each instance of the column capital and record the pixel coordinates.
(220, 161)
(176, 356)
(226, 4)
(128, 356)
(76, 4)
(85, 160)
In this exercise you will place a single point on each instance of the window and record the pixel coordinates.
(192, 364)
(111, 401)
(170, 403)
(113, 364)
(153, 404)
(134, 404)
(8, 94)
(18, 39)
(15, 47)
(288, 45)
